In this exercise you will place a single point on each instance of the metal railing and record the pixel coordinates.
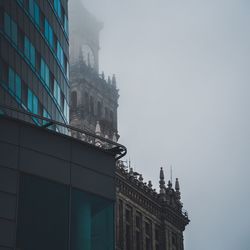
(62, 128)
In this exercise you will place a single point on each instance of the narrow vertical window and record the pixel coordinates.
(14, 32)
(44, 72)
(11, 80)
(26, 47)
(29, 51)
(34, 11)
(48, 32)
(35, 105)
(36, 14)
(66, 24)
(32, 55)
(31, 7)
(30, 100)
(7, 28)
(10, 28)
(18, 87)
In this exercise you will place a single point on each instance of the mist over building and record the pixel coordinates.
(145, 219)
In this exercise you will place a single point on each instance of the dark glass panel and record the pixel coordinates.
(42, 215)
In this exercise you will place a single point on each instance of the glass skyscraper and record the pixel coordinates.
(34, 56)
(56, 192)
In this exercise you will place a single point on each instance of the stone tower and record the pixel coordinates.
(94, 99)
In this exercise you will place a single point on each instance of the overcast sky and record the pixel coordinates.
(183, 70)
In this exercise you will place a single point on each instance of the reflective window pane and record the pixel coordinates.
(92, 222)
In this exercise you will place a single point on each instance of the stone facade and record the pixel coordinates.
(146, 219)
(94, 101)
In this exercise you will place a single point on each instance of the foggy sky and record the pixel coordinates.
(183, 72)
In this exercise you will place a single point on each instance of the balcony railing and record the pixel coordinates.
(62, 128)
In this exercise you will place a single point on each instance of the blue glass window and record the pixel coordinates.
(18, 87)
(58, 7)
(15, 84)
(29, 51)
(10, 28)
(46, 115)
(11, 80)
(57, 92)
(14, 32)
(93, 217)
(34, 11)
(37, 14)
(32, 102)
(32, 55)
(48, 32)
(60, 54)
(66, 25)
(44, 72)
(7, 21)
(35, 105)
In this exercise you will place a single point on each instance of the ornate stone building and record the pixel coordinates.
(94, 99)
(145, 219)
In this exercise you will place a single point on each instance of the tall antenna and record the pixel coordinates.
(171, 174)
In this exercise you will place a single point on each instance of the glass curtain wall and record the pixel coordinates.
(48, 220)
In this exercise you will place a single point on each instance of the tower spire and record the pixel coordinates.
(98, 133)
(177, 189)
(109, 80)
(114, 80)
(162, 182)
(98, 129)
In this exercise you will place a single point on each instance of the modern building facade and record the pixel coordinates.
(56, 192)
(34, 58)
(145, 219)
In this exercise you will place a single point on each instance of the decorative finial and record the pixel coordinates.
(114, 81)
(98, 133)
(103, 76)
(114, 139)
(162, 182)
(177, 185)
(109, 80)
(131, 171)
(98, 129)
(150, 184)
(169, 184)
(140, 178)
(177, 190)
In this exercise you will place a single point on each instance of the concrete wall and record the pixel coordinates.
(41, 152)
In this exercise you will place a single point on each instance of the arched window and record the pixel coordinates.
(111, 116)
(92, 105)
(99, 109)
(86, 101)
(106, 113)
(73, 99)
